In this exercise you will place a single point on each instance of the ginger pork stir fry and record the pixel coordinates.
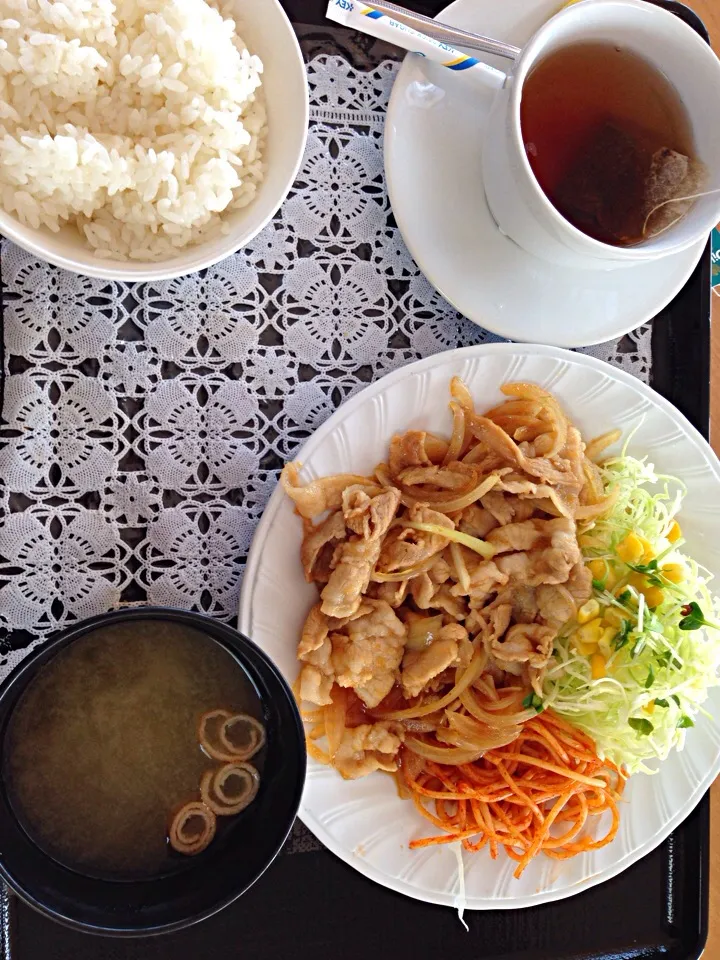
(443, 580)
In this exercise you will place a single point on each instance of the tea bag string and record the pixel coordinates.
(692, 196)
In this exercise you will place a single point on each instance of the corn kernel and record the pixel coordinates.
(615, 617)
(605, 641)
(649, 707)
(602, 571)
(674, 533)
(634, 549)
(586, 649)
(588, 541)
(588, 611)
(597, 666)
(638, 580)
(598, 569)
(590, 632)
(586, 637)
(653, 596)
(631, 549)
(673, 572)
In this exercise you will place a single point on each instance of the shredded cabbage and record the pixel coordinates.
(460, 897)
(657, 675)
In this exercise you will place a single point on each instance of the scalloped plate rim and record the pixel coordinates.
(366, 395)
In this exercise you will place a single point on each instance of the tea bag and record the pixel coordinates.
(617, 189)
(675, 177)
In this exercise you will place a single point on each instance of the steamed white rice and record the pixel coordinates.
(139, 121)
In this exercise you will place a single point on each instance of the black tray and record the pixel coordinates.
(311, 905)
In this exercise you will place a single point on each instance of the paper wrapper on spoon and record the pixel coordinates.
(366, 19)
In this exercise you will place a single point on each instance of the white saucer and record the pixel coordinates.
(433, 146)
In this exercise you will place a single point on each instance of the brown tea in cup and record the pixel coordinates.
(609, 141)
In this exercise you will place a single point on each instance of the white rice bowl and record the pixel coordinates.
(136, 133)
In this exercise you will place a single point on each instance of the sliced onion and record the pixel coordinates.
(598, 444)
(435, 448)
(421, 726)
(192, 828)
(550, 411)
(459, 391)
(469, 675)
(559, 426)
(524, 407)
(461, 570)
(457, 479)
(593, 484)
(315, 752)
(472, 734)
(408, 573)
(411, 764)
(315, 497)
(422, 632)
(473, 543)
(403, 791)
(459, 502)
(591, 510)
(479, 452)
(382, 475)
(433, 499)
(491, 717)
(458, 433)
(334, 714)
(487, 686)
(449, 755)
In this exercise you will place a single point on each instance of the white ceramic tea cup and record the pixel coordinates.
(516, 200)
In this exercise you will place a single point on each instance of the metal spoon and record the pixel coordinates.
(445, 34)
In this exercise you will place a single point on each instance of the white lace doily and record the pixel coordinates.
(145, 425)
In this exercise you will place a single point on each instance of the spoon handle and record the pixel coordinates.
(445, 34)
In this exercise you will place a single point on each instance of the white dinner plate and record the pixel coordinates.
(433, 146)
(363, 821)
